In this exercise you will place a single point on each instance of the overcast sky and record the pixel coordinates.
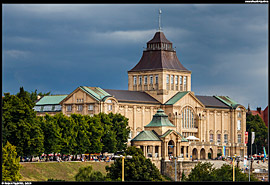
(58, 48)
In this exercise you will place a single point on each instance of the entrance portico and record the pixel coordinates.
(160, 140)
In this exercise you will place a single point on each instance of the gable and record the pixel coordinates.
(185, 98)
(172, 133)
(79, 94)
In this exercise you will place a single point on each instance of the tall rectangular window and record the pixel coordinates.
(134, 80)
(239, 138)
(176, 79)
(185, 80)
(145, 79)
(151, 79)
(69, 108)
(79, 107)
(180, 80)
(225, 138)
(211, 138)
(109, 107)
(140, 80)
(218, 138)
(238, 124)
(168, 79)
(172, 79)
(156, 79)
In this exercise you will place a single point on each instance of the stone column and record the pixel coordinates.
(174, 150)
(207, 126)
(159, 152)
(85, 110)
(145, 150)
(185, 152)
(222, 127)
(166, 150)
(143, 108)
(153, 151)
(215, 126)
(235, 127)
(134, 120)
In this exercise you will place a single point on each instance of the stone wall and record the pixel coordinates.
(168, 168)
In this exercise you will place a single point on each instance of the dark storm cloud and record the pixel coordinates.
(60, 47)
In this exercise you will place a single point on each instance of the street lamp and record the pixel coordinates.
(175, 169)
(123, 163)
(233, 167)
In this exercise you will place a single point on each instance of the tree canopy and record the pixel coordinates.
(206, 172)
(19, 124)
(136, 169)
(77, 134)
(257, 125)
(87, 174)
(10, 163)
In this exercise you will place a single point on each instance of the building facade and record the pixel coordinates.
(160, 81)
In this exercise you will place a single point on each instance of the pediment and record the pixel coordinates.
(188, 99)
(78, 93)
(173, 135)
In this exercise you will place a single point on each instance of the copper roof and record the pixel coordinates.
(159, 57)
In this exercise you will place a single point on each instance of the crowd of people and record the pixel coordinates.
(62, 158)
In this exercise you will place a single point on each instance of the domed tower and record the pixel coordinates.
(159, 71)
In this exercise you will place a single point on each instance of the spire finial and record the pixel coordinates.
(159, 20)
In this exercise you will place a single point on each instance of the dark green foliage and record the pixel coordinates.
(206, 172)
(87, 174)
(225, 173)
(201, 172)
(52, 133)
(122, 130)
(19, 124)
(136, 169)
(32, 135)
(256, 124)
(10, 163)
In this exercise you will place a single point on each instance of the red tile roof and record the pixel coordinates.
(263, 114)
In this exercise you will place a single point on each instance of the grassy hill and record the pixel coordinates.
(42, 171)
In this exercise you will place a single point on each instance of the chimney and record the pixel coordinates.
(259, 109)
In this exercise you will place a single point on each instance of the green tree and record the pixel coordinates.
(201, 172)
(83, 142)
(19, 124)
(10, 163)
(52, 133)
(96, 132)
(256, 124)
(225, 173)
(68, 133)
(108, 138)
(87, 174)
(206, 172)
(122, 130)
(136, 169)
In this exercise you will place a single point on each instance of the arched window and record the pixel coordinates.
(188, 118)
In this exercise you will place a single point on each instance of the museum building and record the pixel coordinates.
(166, 118)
